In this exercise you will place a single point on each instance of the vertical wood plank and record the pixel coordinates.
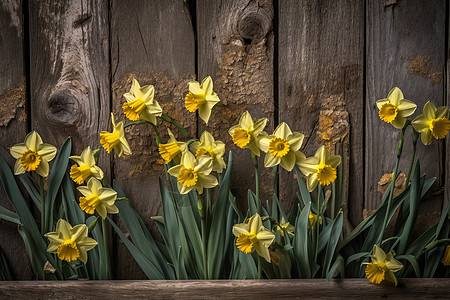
(152, 41)
(321, 48)
(447, 102)
(405, 48)
(13, 121)
(235, 48)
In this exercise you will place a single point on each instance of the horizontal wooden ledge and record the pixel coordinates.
(224, 289)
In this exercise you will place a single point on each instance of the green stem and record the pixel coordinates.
(392, 185)
(275, 180)
(93, 224)
(134, 123)
(258, 200)
(204, 245)
(158, 137)
(317, 224)
(259, 267)
(41, 190)
(415, 136)
(105, 245)
(180, 128)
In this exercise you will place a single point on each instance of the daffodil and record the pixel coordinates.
(141, 103)
(383, 266)
(312, 218)
(287, 226)
(97, 198)
(173, 149)
(432, 123)
(394, 109)
(207, 146)
(115, 140)
(193, 173)
(282, 147)
(32, 155)
(320, 168)
(201, 97)
(85, 167)
(253, 235)
(247, 133)
(446, 259)
(70, 243)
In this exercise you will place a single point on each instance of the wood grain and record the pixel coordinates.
(152, 41)
(417, 288)
(13, 121)
(321, 48)
(236, 48)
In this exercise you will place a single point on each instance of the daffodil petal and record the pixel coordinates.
(264, 143)
(204, 113)
(442, 112)
(33, 140)
(295, 140)
(18, 168)
(311, 182)
(255, 223)
(429, 110)
(241, 228)
(208, 181)
(47, 152)
(420, 123)
(246, 121)
(288, 161)
(271, 161)
(381, 102)
(406, 108)
(282, 131)
(426, 136)
(399, 122)
(259, 126)
(43, 168)
(17, 150)
(308, 165)
(395, 95)
(174, 171)
(63, 227)
(207, 85)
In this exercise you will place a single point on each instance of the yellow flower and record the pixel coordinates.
(433, 122)
(141, 104)
(201, 97)
(115, 140)
(247, 134)
(172, 149)
(86, 167)
(320, 168)
(32, 155)
(193, 173)
(312, 218)
(285, 225)
(394, 109)
(207, 146)
(282, 147)
(98, 198)
(253, 234)
(383, 266)
(70, 243)
(446, 259)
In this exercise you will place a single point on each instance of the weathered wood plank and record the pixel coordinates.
(321, 48)
(152, 41)
(13, 121)
(227, 289)
(236, 48)
(405, 48)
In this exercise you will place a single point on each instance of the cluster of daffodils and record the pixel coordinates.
(433, 123)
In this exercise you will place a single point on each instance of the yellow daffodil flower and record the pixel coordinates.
(320, 168)
(85, 166)
(201, 97)
(253, 235)
(383, 266)
(247, 134)
(282, 147)
(285, 225)
(32, 155)
(312, 218)
(394, 109)
(70, 243)
(115, 140)
(141, 104)
(193, 173)
(446, 259)
(173, 149)
(98, 198)
(432, 123)
(207, 146)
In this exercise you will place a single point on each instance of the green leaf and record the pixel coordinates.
(332, 243)
(37, 260)
(8, 215)
(54, 182)
(74, 214)
(150, 270)
(337, 268)
(306, 197)
(216, 242)
(17, 200)
(301, 241)
(140, 235)
(412, 260)
(5, 272)
(414, 199)
(357, 256)
(31, 190)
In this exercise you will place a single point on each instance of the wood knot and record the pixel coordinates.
(254, 23)
(63, 108)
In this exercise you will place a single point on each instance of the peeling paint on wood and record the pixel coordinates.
(13, 104)
(421, 66)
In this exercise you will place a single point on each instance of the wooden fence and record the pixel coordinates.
(318, 65)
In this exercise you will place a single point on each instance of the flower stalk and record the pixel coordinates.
(255, 165)
(41, 192)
